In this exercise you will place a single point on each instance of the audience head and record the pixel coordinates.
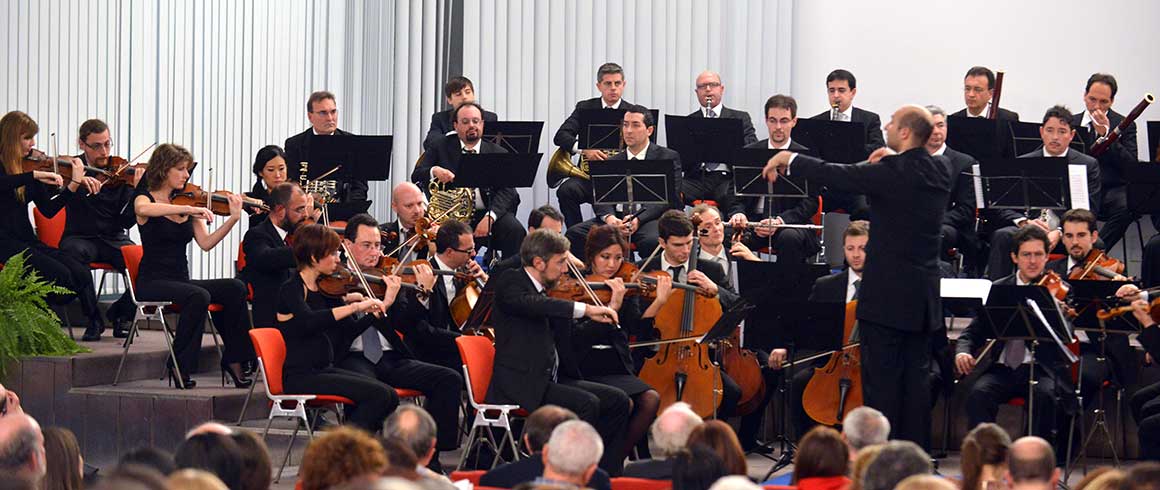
(572, 452)
(401, 460)
(734, 482)
(1031, 462)
(149, 457)
(984, 455)
(862, 461)
(9, 402)
(341, 455)
(388, 483)
(925, 482)
(15, 481)
(1142, 476)
(1101, 478)
(697, 468)
(416, 428)
(896, 461)
(821, 453)
(865, 426)
(63, 463)
(670, 431)
(719, 436)
(193, 479)
(256, 465)
(132, 477)
(22, 446)
(209, 428)
(213, 452)
(539, 425)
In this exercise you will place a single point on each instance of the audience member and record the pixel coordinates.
(401, 460)
(341, 455)
(864, 426)
(389, 483)
(1031, 465)
(894, 462)
(822, 461)
(212, 452)
(1090, 476)
(865, 456)
(1142, 476)
(719, 436)
(1107, 479)
(925, 482)
(412, 425)
(130, 476)
(150, 457)
(22, 446)
(984, 456)
(697, 468)
(194, 479)
(256, 467)
(571, 454)
(734, 482)
(538, 428)
(209, 428)
(670, 433)
(13, 481)
(62, 458)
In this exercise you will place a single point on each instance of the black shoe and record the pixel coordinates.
(93, 333)
(244, 382)
(185, 384)
(121, 328)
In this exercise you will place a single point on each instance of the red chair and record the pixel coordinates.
(629, 483)
(50, 231)
(779, 487)
(146, 310)
(478, 356)
(472, 476)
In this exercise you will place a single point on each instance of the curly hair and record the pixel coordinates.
(341, 455)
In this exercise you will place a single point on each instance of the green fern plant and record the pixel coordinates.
(28, 327)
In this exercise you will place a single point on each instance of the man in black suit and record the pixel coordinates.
(841, 87)
(269, 260)
(1056, 133)
(713, 180)
(546, 217)
(494, 214)
(639, 226)
(1099, 118)
(537, 428)
(409, 204)
(573, 192)
(379, 352)
(322, 112)
(534, 363)
(978, 88)
(457, 90)
(958, 226)
(792, 245)
(899, 307)
(1006, 368)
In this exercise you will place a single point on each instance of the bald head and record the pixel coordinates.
(710, 89)
(671, 429)
(209, 428)
(1032, 460)
(910, 127)
(408, 203)
(415, 428)
(21, 446)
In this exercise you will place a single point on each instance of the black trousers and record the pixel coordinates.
(440, 387)
(1145, 405)
(1115, 214)
(194, 298)
(64, 270)
(965, 242)
(797, 418)
(896, 378)
(716, 186)
(373, 400)
(439, 349)
(1150, 267)
(603, 406)
(95, 249)
(1001, 383)
(645, 239)
(572, 193)
(506, 233)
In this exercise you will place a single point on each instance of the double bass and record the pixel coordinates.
(836, 388)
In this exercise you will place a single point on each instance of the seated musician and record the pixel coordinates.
(493, 215)
(546, 217)
(978, 88)
(379, 352)
(409, 204)
(958, 226)
(640, 227)
(534, 361)
(96, 224)
(1100, 119)
(1150, 264)
(714, 248)
(318, 331)
(322, 112)
(269, 260)
(1007, 366)
(841, 87)
(457, 90)
(707, 180)
(573, 192)
(1056, 133)
(1079, 239)
(1145, 403)
(791, 245)
(270, 168)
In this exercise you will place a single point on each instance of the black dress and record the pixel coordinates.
(258, 192)
(603, 350)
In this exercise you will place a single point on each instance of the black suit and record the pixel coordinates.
(574, 192)
(651, 469)
(1120, 367)
(269, 263)
(507, 233)
(509, 475)
(260, 192)
(1113, 162)
(391, 244)
(873, 123)
(791, 245)
(958, 226)
(700, 184)
(429, 329)
(645, 237)
(827, 289)
(1145, 403)
(1004, 114)
(899, 305)
(443, 124)
(297, 149)
(853, 204)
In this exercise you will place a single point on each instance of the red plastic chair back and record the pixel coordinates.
(472, 476)
(132, 255)
(478, 354)
(49, 230)
(271, 349)
(629, 483)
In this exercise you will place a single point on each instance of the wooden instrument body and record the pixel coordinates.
(836, 388)
(684, 371)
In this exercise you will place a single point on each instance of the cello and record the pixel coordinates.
(836, 388)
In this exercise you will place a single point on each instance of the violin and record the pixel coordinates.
(38, 161)
(120, 171)
(343, 282)
(1098, 266)
(1153, 308)
(216, 201)
(1054, 285)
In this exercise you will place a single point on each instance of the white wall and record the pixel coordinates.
(917, 51)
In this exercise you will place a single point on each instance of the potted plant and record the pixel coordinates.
(28, 327)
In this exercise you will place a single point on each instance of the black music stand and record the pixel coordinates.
(600, 128)
(1154, 141)
(1143, 187)
(703, 140)
(1024, 184)
(980, 137)
(514, 136)
(834, 141)
(1026, 138)
(730, 319)
(362, 157)
(490, 171)
(748, 181)
(633, 182)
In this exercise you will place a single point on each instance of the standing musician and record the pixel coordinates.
(457, 90)
(639, 226)
(322, 111)
(379, 351)
(409, 204)
(1006, 369)
(534, 361)
(494, 214)
(318, 331)
(573, 192)
(269, 259)
(792, 245)
(19, 187)
(96, 224)
(958, 226)
(1098, 116)
(978, 88)
(708, 180)
(270, 168)
(841, 87)
(166, 230)
(901, 306)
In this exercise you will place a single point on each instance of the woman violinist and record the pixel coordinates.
(50, 191)
(603, 352)
(270, 168)
(166, 230)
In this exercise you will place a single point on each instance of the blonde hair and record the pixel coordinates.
(15, 126)
(191, 479)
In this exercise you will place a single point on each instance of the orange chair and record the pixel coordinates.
(779, 487)
(629, 483)
(478, 356)
(146, 310)
(50, 231)
(472, 476)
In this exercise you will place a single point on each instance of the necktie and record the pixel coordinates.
(676, 272)
(709, 113)
(843, 117)
(1014, 354)
(555, 353)
(857, 289)
(372, 348)
(469, 151)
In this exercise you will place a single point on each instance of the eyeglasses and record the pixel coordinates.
(707, 85)
(468, 251)
(99, 146)
(332, 112)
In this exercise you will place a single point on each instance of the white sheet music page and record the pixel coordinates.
(1078, 184)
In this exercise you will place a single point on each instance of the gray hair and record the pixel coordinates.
(417, 433)
(544, 244)
(1031, 459)
(865, 426)
(608, 69)
(574, 448)
(936, 111)
(670, 431)
(23, 446)
(734, 482)
(895, 462)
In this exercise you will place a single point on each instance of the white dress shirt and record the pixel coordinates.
(850, 278)
(986, 109)
(637, 156)
(666, 265)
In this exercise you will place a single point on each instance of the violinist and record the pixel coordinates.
(270, 168)
(319, 330)
(1145, 403)
(409, 204)
(713, 245)
(50, 191)
(166, 230)
(379, 351)
(269, 260)
(97, 224)
(1007, 365)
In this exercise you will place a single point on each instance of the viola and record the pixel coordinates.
(216, 201)
(1098, 266)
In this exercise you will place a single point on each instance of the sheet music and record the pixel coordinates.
(978, 289)
(1071, 357)
(978, 179)
(1078, 184)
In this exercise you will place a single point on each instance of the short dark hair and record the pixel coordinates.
(1142, 476)
(149, 457)
(1038, 468)
(536, 217)
(93, 126)
(697, 467)
(608, 69)
(1103, 78)
(1059, 112)
(841, 74)
(448, 235)
(255, 460)
(601, 237)
(1027, 234)
(215, 453)
(821, 453)
(280, 195)
(674, 223)
(1080, 215)
(318, 96)
(918, 122)
(455, 115)
(455, 84)
(265, 154)
(542, 244)
(896, 461)
(314, 242)
(982, 71)
(539, 425)
(781, 102)
(352, 224)
(649, 121)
